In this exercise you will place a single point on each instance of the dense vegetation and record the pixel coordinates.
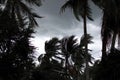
(64, 59)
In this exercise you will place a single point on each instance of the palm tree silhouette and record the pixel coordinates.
(83, 56)
(50, 63)
(21, 10)
(16, 52)
(69, 46)
(16, 59)
(64, 58)
(80, 8)
(110, 25)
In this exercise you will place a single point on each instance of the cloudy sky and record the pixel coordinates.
(56, 24)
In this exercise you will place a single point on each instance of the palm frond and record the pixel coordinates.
(40, 57)
(99, 3)
(52, 45)
(88, 14)
(34, 2)
(24, 8)
(31, 15)
(76, 14)
(83, 42)
(71, 4)
(68, 4)
(69, 44)
(32, 21)
(77, 7)
(36, 15)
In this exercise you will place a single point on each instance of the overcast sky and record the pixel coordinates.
(56, 24)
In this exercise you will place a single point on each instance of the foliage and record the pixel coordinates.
(110, 24)
(16, 26)
(82, 9)
(64, 59)
(78, 7)
(21, 10)
(109, 70)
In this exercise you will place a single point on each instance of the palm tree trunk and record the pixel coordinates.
(115, 31)
(119, 41)
(66, 65)
(86, 45)
(113, 41)
(104, 54)
(78, 74)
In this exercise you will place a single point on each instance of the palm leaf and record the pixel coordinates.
(99, 3)
(36, 15)
(25, 9)
(78, 8)
(88, 14)
(83, 42)
(70, 4)
(69, 44)
(34, 2)
(52, 46)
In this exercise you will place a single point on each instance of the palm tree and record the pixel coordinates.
(110, 25)
(69, 47)
(15, 17)
(75, 53)
(80, 8)
(51, 64)
(67, 51)
(20, 10)
(84, 56)
(16, 59)
(16, 22)
(52, 50)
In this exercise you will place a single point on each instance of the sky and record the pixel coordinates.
(56, 24)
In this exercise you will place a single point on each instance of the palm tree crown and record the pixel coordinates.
(20, 9)
(78, 8)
